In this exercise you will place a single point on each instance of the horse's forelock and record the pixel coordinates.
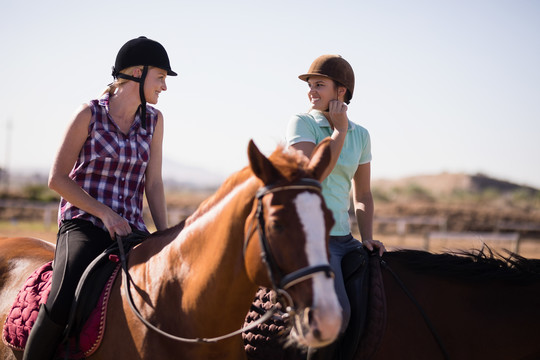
(291, 163)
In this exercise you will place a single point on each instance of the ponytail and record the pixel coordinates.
(118, 82)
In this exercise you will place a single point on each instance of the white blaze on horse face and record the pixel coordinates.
(327, 311)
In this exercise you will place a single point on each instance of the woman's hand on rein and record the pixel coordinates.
(373, 245)
(116, 225)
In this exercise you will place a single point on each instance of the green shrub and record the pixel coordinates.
(40, 193)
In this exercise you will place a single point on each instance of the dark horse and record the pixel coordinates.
(459, 306)
(266, 225)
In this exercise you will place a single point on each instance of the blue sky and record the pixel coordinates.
(441, 85)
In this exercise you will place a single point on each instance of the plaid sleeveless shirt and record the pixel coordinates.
(111, 166)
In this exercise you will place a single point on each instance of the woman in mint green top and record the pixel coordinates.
(331, 85)
(312, 128)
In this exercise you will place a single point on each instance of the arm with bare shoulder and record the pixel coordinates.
(59, 179)
(155, 193)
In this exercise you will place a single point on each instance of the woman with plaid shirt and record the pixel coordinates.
(110, 156)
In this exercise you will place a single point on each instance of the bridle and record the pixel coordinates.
(274, 273)
(273, 270)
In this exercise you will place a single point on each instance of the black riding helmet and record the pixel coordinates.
(145, 52)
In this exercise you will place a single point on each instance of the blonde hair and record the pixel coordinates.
(118, 82)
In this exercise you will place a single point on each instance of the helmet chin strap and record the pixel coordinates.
(142, 107)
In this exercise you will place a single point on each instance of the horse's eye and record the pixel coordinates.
(276, 226)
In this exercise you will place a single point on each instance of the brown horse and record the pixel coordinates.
(266, 225)
(458, 306)
(479, 305)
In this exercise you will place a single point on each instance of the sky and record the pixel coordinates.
(442, 86)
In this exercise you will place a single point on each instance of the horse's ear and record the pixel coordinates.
(261, 166)
(320, 159)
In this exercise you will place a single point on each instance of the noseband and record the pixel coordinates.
(274, 273)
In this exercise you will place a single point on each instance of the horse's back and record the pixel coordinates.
(19, 257)
(25, 247)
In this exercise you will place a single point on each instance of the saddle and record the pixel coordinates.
(365, 289)
(364, 286)
(86, 325)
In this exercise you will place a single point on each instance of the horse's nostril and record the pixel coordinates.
(316, 334)
(309, 312)
(310, 316)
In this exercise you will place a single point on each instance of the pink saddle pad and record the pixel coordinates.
(24, 311)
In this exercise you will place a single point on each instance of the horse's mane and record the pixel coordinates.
(475, 265)
(291, 164)
(172, 231)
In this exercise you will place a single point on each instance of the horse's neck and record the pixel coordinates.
(208, 251)
(483, 314)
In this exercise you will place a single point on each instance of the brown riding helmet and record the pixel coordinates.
(333, 67)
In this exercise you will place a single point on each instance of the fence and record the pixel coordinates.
(48, 211)
(519, 227)
(484, 237)
(506, 233)
(401, 224)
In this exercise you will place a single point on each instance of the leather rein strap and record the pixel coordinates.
(429, 324)
(128, 280)
(286, 281)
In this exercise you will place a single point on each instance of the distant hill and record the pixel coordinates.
(180, 176)
(465, 203)
(177, 175)
(447, 183)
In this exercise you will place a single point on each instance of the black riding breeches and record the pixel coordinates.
(78, 243)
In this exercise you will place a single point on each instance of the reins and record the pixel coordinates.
(286, 281)
(128, 280)
(419, 308)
